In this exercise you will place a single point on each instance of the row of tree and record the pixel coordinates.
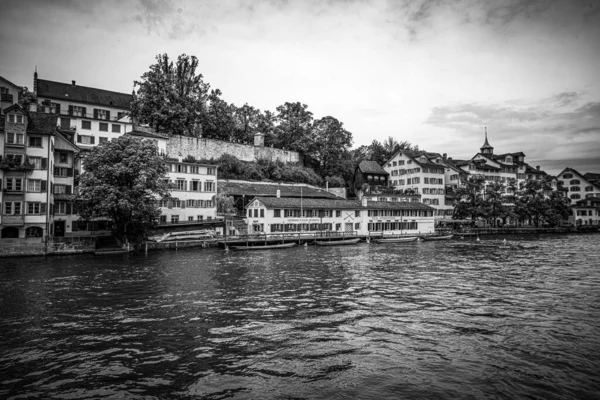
(533, 201)
(172, 97)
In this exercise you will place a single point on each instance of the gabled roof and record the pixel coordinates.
(83, 94)
(9, 82)
(256, 189)
(42, 123)
(66, 142)
(274, 202)
(371, 167)
(592, 177)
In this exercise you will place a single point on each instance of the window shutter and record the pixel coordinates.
(69, 210)
(43, 208)
(183, 203)
(56, 172)
(44, 163)
(93, 140)
(44, 186)
(68, 189)
(108, 115)
(83, 111)
(169, 204)
(78, 138)
(70, 110)
(95, 113)
(69, 172)
(57, 108)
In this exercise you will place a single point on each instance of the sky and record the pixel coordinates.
(435, 73)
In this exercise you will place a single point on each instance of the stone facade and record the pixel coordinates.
(204, 148)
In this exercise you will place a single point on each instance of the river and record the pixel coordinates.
(457, 319)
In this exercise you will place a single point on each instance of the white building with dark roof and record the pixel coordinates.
(579, 186)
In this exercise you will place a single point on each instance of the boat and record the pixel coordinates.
(187, 235)
(338, 242)
(397, 239)
(264, 246)
(438, 237)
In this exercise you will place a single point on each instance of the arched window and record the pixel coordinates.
(34, 231)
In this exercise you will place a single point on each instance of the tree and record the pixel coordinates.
(470, 198)
(218, 121)
(122, 180)
(332, 143)
(246, 122)
(225, 204)
(171, 97)
(382, 152)
(26, 97)
(294, 127)
(494, 202)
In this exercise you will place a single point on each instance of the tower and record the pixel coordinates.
(486, 148)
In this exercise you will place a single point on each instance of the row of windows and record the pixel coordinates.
(392, 226)
(435, 202)
(433, 191)
(15, 119)
(31, 208)
(19, 139)
(35, 186)
(77, 111)
(176, 203)
(175, 219)
(192, 186)
(191, 169)
(398, 213)
(306, 227)
(587, 212)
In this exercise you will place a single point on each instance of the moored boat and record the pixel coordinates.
(397, 239)
(338, 242)
(187, 235)
(437, 237)
(264, 246)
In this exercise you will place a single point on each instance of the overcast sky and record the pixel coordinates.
(433, 72)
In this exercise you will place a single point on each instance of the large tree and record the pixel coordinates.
(470, 198)
(171, 96)
(122, 180)
(294, 127)
(332, 143)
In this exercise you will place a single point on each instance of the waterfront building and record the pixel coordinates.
(193, 186)
(586, 212)
(9, 93)
(579, 186)
(369, 174)
(278, 215)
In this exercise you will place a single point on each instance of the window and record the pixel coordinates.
(574, 182)
(195, 186)
(575, 196)
(36, 161)
(103, 126)
(174, 219)
(190, 218)
(35, 141)
(121, 114)
(14, 184)
(276, 213)
(61, 171)
(62, 189)
(210, 171)
(567, 176)
(357, 213)
(103, 139)
(33, 208)
(85, 139)
(101, 114)
(77, 111)
(163, 219)
(357, 226)
(14, 138)
(116, 128)
(193, 169)
(180, 184)
(63, 158)
(86, 125)
(575, 189)
(61, 207)
(209, 186)
(12, 208)
(176, 203)
(65, 123)
(163, 203)
(200, 217)
(34, 185)
(180, 168)
(262, 212)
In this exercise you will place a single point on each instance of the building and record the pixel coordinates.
(194, 186)
(9, 93)
(277, 214)
(369, 174)
(579, 186)
(586, 212)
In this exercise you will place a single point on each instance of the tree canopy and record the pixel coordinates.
(122, 180)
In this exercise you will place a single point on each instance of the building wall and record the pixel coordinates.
(578, 187)
(203, 148)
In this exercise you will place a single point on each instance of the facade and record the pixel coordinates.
(194, 185)
(29, 173)
(579, 186)
(279, 215)
(586, 212)
(369, 174)
(9, 93)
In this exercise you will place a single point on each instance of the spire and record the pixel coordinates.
(35, 81)
(486, 148)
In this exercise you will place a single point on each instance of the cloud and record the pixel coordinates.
(166, 17)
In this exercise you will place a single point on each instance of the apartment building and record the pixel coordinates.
(579, 186)
(193, 184)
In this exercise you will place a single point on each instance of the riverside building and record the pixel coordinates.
(280, 215)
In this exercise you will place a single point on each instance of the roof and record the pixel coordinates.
(9, 82)
(253, 189)
(42, 123)
(274, 202)
(371, 167)
(486, 144)
(144, 131)
(83, 94)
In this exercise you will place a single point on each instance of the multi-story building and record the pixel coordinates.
(363, 217)
(579, 186)
(29, 147)
(193, 185)
(586, 212)
(9, 93)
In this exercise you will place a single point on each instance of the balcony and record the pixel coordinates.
(6, 97)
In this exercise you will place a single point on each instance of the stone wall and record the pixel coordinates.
(203, 148)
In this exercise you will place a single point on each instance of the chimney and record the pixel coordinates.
(278, 193)
(364, 201)
(73, 83)
(445, 156)
(537, 167)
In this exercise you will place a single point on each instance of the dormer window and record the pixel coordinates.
(15, 119)
(101, 114)
(508, 160)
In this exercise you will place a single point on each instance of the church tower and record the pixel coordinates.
(486, 148)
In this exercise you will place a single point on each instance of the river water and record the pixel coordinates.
(457, 319)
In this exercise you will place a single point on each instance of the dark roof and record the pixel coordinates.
(42, 123)
(83, 94)
(7, 81)
(486, 144)
(274, 202)
(530, 170)
(254, 189)
(371, 167)
(593, 178)
(143, 131)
